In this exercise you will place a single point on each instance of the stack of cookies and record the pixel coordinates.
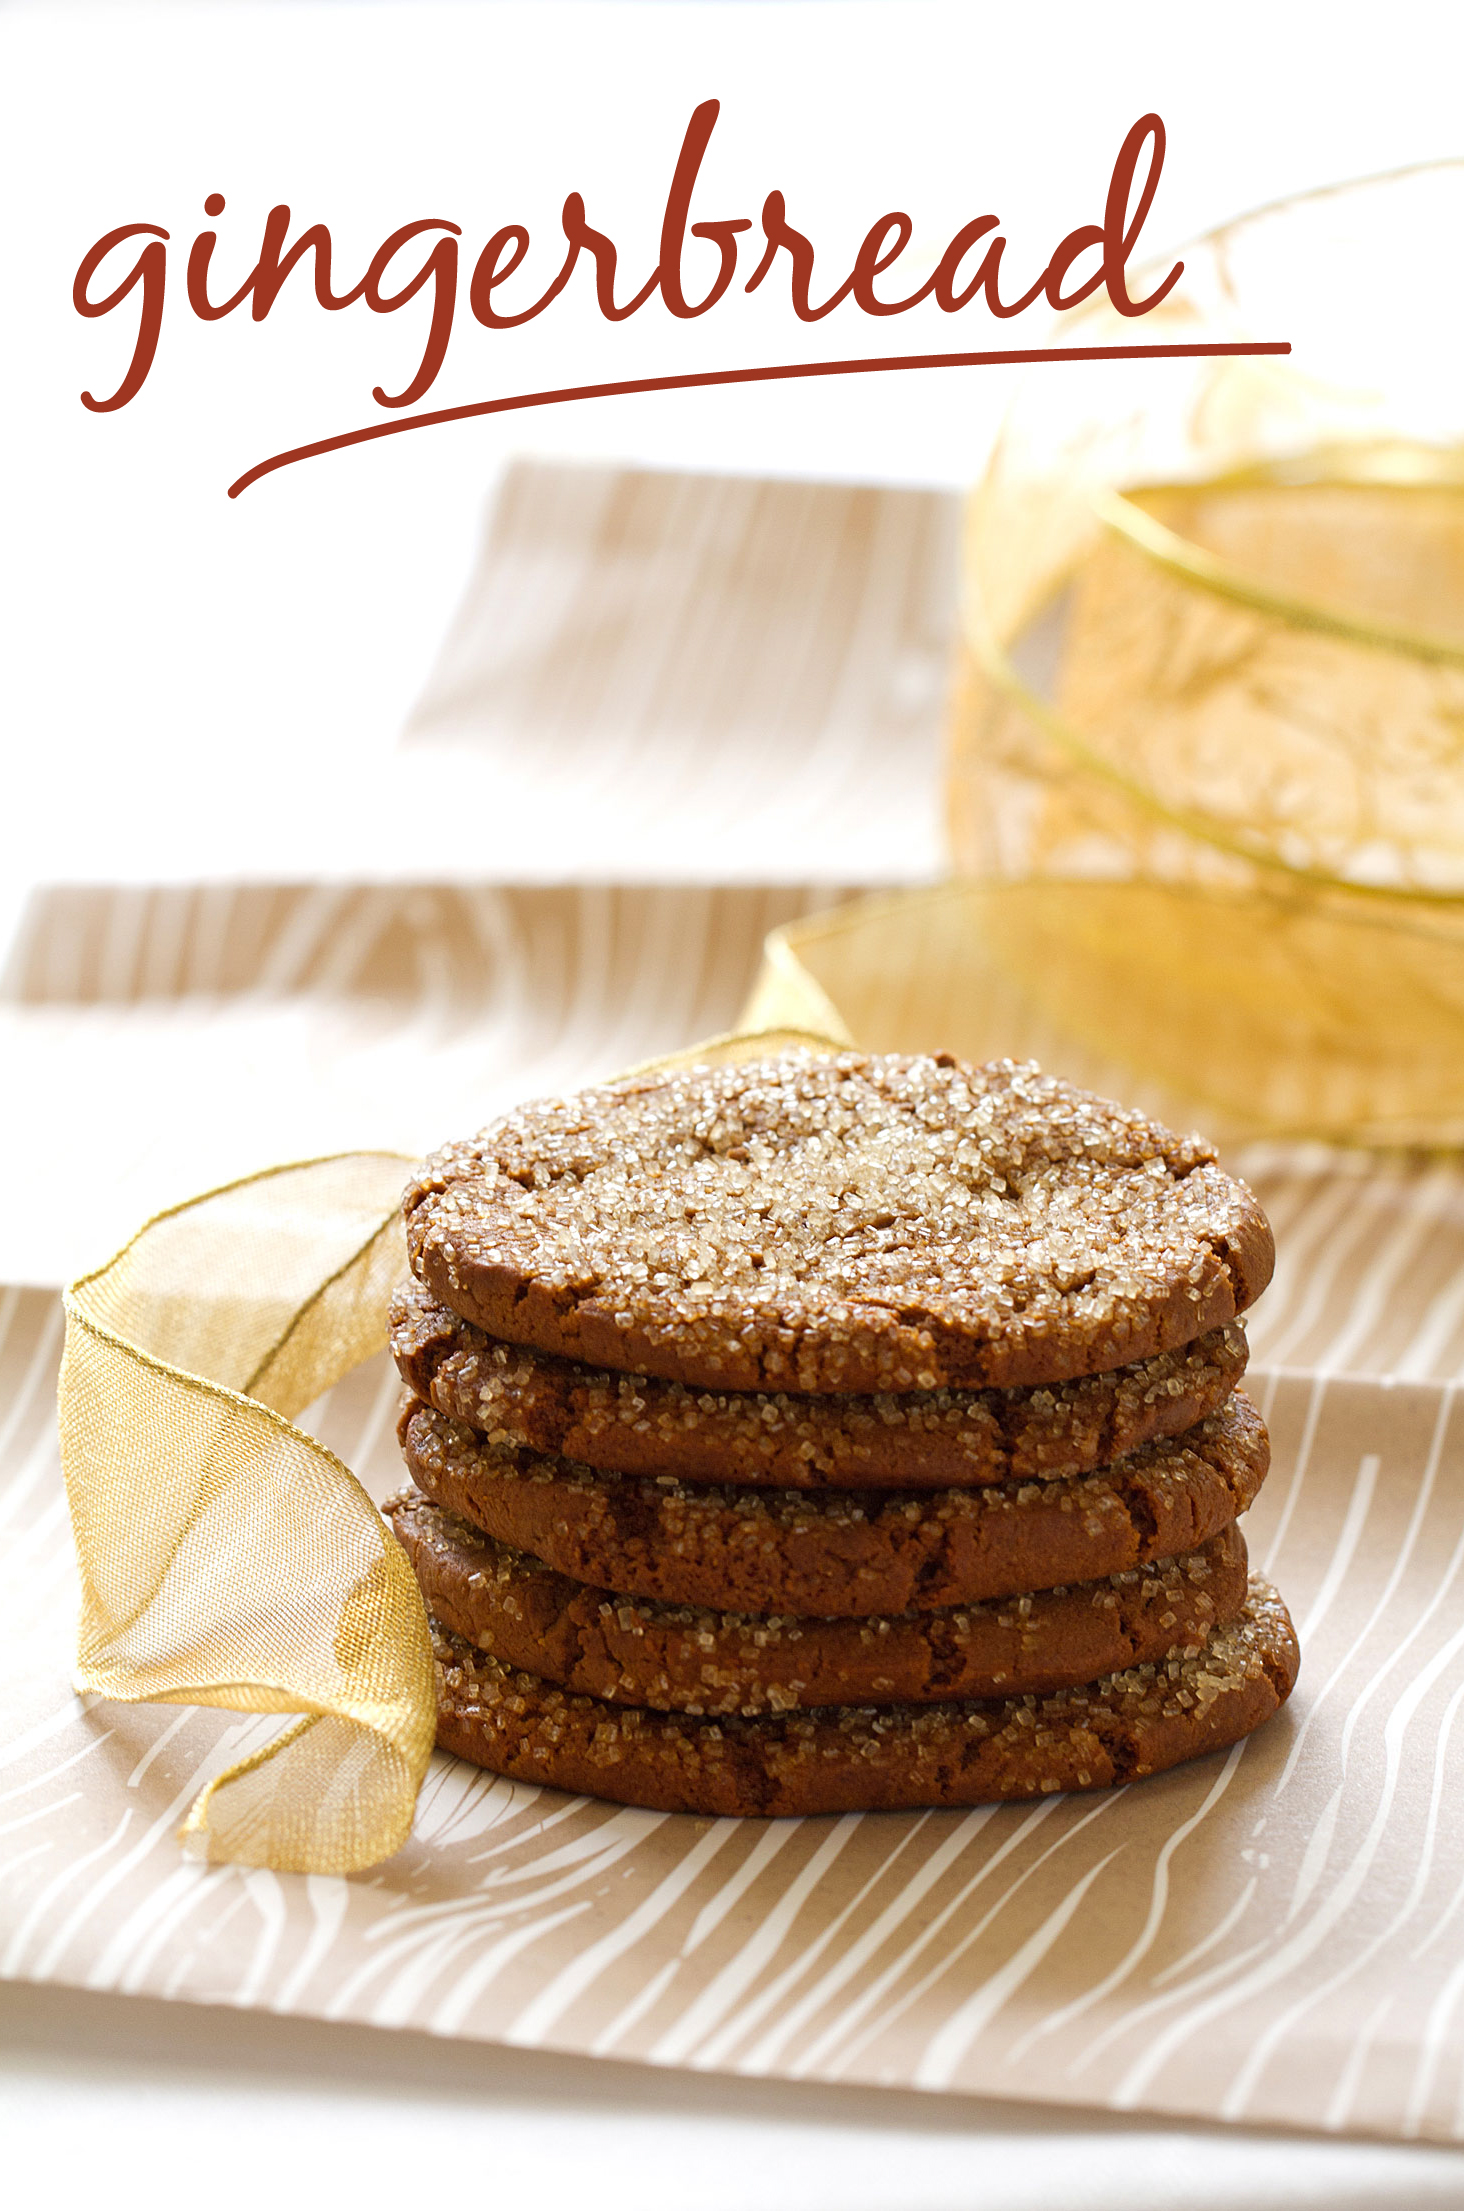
(834, 1431)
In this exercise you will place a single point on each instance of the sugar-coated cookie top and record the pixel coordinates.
(838, 1221)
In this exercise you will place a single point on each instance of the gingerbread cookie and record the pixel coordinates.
(678, 1659)
(866, 1757)
(845, 1553)
(838, 1222)
(919, 1439)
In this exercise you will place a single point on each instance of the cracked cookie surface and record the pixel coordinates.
(918, 1439)
(686, 1659)
(825, 1222)
(859, 1758)
(847, 1553)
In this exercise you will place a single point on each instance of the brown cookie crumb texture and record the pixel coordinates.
(839, 1222)
(681, 1659)
(921, 1439)
(867, 1758)
(842, 1553)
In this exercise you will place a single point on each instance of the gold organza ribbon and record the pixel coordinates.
(226, 1557)
(1224, 844)
(1206, 777)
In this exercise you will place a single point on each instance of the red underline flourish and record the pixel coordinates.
(1014, 357)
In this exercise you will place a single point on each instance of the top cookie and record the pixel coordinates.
(838, 1221)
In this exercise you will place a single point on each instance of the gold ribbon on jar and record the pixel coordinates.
(1206, 776)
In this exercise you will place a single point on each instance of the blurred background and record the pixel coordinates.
(478, 760)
